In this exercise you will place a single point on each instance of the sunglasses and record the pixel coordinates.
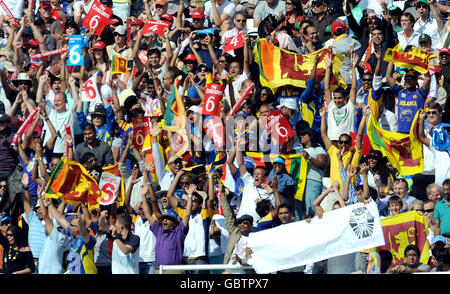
(222, 60)
(91, 161)
(367, 80)
(184, 183)
(9, 235)
(244, 222)
(195, 200)
(95, 174)
(240, 20)
(432, 112)
(428, 210)
(204, 70)
(158, 6)
(2, 186)
(345, 142)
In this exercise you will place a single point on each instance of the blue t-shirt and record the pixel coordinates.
(409, 102)
(285, 185)
(362, 99)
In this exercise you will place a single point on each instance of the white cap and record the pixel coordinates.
(290, 103)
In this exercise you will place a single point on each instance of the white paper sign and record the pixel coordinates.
(90, 92)
(341, 231)
(109, 184)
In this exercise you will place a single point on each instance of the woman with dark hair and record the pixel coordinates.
(264, 95)
(379, 176)
(317, 161)
(18, 256)
(100, 60)
(294, 13)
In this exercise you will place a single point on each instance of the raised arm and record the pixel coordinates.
(353, 62)
(171, 192)
(187, 214)
(389, 74)
(316, 203)
(361, 128)
(323, 129)
(327, 78)
(421, 132)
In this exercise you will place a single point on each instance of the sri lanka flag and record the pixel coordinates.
(403, 229)
(280, 67)
(296, 166)
(416, 59)
(404, 151)
(71, 183)
(119, 64)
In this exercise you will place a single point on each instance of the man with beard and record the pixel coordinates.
(101, 150)
(170, 233)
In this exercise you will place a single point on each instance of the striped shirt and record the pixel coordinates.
(36, 233)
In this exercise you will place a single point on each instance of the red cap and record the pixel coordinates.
(167, 17)
(190, 56)
(44, 4)
(33, 43)
(110, 98)
(135, 21)
(336, 26)
(99, 45)
(198, 14)
(445, 50)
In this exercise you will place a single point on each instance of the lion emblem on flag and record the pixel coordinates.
(362, 222)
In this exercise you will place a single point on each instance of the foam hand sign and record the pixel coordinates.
(76, 45)
(97, 18)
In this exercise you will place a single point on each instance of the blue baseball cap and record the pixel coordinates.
(249, 162)
(279, 160)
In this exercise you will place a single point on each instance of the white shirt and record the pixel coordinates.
(441, 165)
(50, 260)
(59, 119)
(340, 120)
(147, 242)
(429, 27)
(226, 8)
(388, 121)
(165, 177)
(122, 263)
(240, 249)
(414, 40)
(214, 248)
(195, 243)
(249, 195)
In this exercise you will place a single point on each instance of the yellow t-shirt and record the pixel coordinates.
(334, 163)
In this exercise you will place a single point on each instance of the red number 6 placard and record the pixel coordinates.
(213, 96)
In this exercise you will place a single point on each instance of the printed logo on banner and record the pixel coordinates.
(97, 17)
(155, 26)
(362, 222)
(141, 127)
(76, 45)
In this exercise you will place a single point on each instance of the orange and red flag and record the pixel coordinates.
(279, 67)
(72, 183)
(416, 59)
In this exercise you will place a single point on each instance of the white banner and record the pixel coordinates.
(341, 231)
